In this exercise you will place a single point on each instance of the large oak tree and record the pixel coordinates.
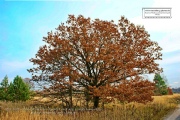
(102, 57)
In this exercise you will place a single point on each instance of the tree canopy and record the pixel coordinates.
(99, 56)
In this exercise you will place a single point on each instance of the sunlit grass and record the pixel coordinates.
(155, 110)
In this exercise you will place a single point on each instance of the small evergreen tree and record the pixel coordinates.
(3, 89)
(4, 83)
(10, 92)
(18, 90)
(160, 84)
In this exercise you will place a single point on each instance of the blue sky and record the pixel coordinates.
(23, 23)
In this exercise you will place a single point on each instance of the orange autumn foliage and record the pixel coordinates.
(95, 54)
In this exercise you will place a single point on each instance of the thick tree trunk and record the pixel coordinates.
(96, 102)
(86, 93)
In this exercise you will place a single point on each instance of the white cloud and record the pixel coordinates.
(171, 42)
(171, 26)
(170, 60)
(14, 66)
(161, 25)
(175, 84)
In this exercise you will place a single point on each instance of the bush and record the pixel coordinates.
(160, 85)
(18, 90)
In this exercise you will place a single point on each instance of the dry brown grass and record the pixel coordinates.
(113, 111)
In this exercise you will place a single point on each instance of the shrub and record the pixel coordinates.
(18, 90)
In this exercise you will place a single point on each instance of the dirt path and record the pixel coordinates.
(175, 115)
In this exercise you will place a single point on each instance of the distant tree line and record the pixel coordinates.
(176, 90)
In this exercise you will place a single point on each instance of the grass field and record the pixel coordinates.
(155, 110)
